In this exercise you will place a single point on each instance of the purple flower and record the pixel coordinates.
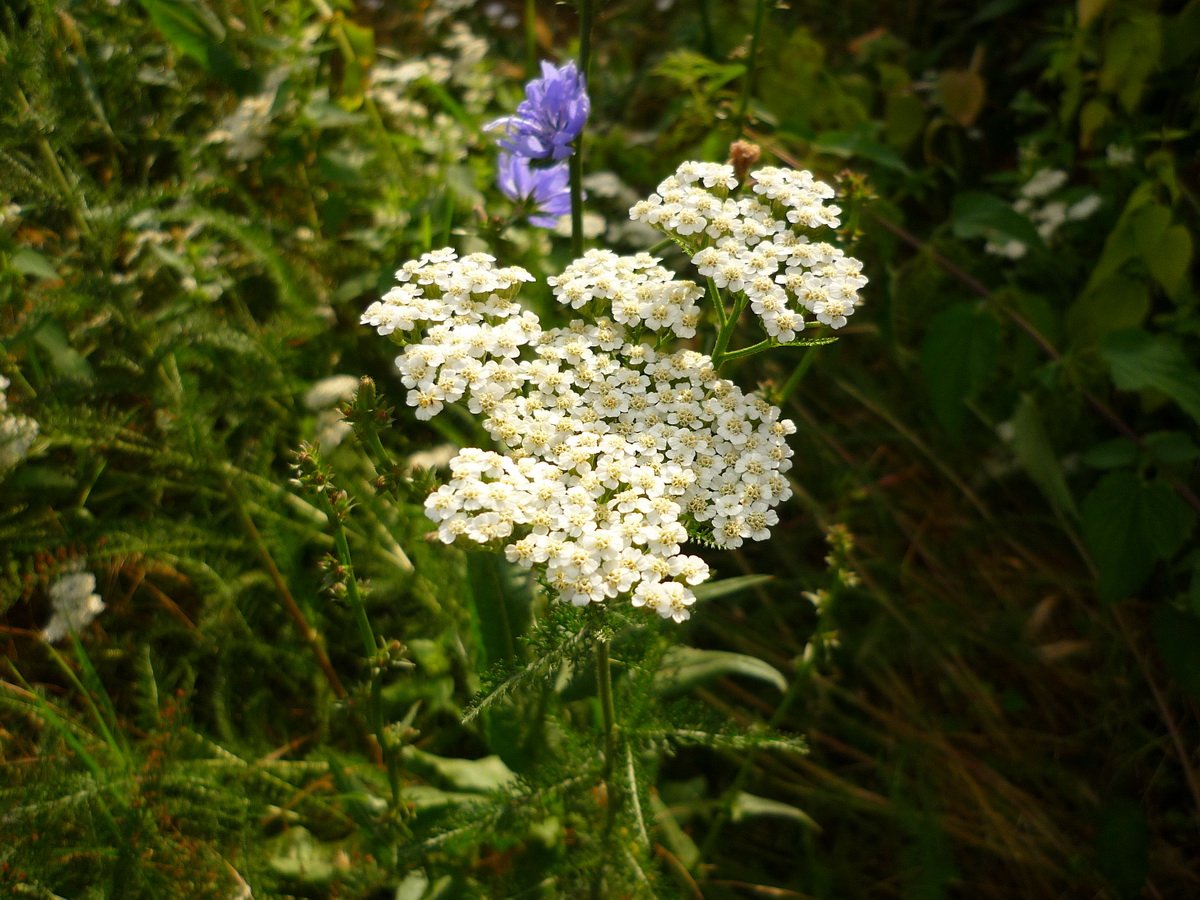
(547, 188)
(551, 116)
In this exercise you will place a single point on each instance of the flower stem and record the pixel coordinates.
(575, 167)
(311, 636)
(748, 84)
(371, 650)
(612, 790)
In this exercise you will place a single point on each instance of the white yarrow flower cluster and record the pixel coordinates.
(74, 604)
(759, 245)
(609, 453)
(17, 433)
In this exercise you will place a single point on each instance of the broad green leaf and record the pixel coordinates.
(958, 355)
(1139, 360)
(903, 119)
(848, 144)
(1035, 453)
(30, 262)
(1094, 115)
(1177, 635)
(976, 214)
(1169, 257)
(683, 668)
(1115, 304)
(1142, 219)
(1172, 447)
(1087, 10)
(1131, 52)
(727, 587)
(64, 358)
(1130, 524)
(962, 94)
(500, 605)
(298, 856)
(1112, 454)
(749, 806)
(478, 776)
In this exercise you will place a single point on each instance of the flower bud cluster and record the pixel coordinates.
(610, 454)
(759, 245)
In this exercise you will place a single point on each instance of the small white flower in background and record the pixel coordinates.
(1119, 155)
(74, 604)
(322, 397)
(438, 457)
(593, 226)
(1035, 202)
(17, 433)
(1044, 182)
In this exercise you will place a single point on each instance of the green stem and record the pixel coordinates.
(74, 204)
(745, 352)
(726, 332)
(575, 168)
(371, 651)
(531, 54)
(612, 790)
(748, 84)
(798, 374)
(311, 636)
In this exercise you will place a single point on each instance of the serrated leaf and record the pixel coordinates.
(1130, 524)
(749, 806)
(978, 214)
(683, 668)
(1177, 635)
(958, 356)
(1139, 360)
(1035, 453)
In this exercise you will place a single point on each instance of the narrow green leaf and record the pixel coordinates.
(749, 806)
(727, 587)
(1035, 453)
(683, 668)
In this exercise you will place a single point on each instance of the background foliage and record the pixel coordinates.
(974, 668)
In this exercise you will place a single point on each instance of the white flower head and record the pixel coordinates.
(74, 604)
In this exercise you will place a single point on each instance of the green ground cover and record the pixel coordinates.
(967, 661)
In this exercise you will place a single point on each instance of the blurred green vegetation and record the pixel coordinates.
(973, 671)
